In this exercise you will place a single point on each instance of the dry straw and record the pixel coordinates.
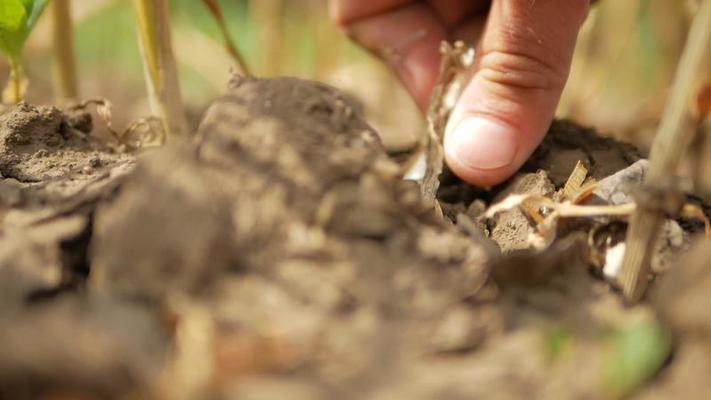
(160, 66)
(680, 121)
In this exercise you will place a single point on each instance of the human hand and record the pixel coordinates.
(524, 51)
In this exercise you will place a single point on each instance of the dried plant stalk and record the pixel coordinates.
(159, 65)
(66, 86)
(566, 209)
(216, 10)
(679, 123)
(268, 16)
(426, 164)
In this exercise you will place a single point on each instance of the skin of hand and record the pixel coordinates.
(524, 52)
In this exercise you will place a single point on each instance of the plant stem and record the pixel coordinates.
(65, 71)
(214, 7)
(160, 66)
(267, 14)
(17, 77)
(678, 125)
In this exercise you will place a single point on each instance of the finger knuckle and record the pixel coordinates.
(520, 70)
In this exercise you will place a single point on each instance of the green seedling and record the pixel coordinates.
(636, 353)
(17, 19)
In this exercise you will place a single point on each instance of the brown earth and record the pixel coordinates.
(278, 254)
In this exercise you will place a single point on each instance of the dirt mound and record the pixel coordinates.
(278, 253)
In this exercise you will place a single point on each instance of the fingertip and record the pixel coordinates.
(346, 12)
(477, 177)
(523, 63)
(408, 39)
(481, 151)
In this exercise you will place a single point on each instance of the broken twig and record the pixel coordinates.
(216, 10)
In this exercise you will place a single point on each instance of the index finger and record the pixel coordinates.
(405, 34)
(345, 11)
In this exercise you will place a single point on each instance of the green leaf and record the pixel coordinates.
(17, 19)
(34, 9)
(13, 27)
(638, 352)
(12, 15)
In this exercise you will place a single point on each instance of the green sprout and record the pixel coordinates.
(17, 19)
(638, 352)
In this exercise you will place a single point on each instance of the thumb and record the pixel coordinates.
(522, 64)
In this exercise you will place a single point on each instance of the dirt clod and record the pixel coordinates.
(512, 229)
(27, 134)
(567, 143)
(95, 347)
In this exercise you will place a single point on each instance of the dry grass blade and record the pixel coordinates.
(575, 181)
(145, 13)
(579, 186)
(680, 121)
(216, 10)
(160, 66)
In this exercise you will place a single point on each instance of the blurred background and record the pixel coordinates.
(622, 70)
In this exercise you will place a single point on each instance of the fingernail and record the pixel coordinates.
(479, 143)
